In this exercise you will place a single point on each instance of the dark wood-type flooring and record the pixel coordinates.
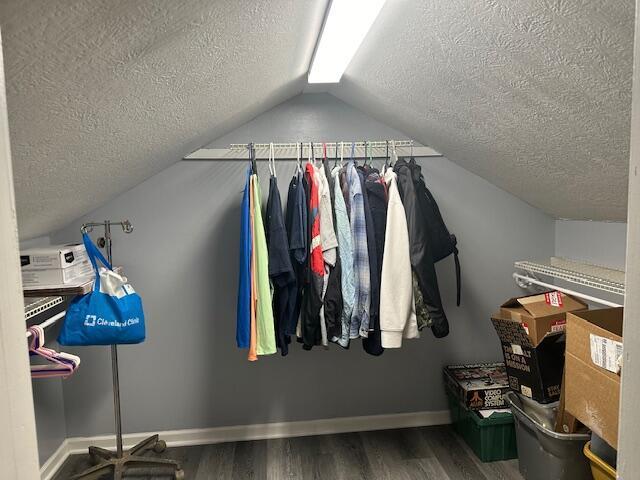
(412, 453)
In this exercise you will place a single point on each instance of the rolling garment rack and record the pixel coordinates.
(119, 461)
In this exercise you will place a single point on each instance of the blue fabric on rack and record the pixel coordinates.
(243, 319)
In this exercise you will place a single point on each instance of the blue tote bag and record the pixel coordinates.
(109, 315)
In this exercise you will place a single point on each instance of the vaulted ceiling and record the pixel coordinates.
(533, 95)
(103, 94)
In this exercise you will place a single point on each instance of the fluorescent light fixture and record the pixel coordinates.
(347, 23)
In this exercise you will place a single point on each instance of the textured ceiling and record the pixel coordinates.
(533, 95)
(103, 94)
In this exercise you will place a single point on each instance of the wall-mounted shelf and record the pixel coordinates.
(582, 274)
(289, 151)
(36, 305)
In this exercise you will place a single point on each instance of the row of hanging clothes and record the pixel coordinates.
(352, 256)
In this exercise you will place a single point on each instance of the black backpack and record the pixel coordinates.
(442, 242)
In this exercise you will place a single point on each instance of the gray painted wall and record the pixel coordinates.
(316, 117)
(600, 243)
(182, 258)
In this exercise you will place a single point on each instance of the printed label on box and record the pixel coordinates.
(553, 298)
(517, 349)
(559, 326)
(606, 353)
(526, 391)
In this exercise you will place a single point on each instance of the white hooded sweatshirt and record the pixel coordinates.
(397, 305)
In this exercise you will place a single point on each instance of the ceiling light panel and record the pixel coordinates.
(347, 23)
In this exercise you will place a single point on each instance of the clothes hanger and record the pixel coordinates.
(252, 159)
(394, 153)
(341, 154)
(272, 160)
(353, 147)
(325, 163)
(313, 152)
(366, 149)
(37, 336)
(386, 160)
(60, 364)
(335, 157)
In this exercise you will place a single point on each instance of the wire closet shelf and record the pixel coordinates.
(34, 307)
(375, 149)
(582, 274)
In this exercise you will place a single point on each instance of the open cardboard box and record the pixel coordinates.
(531, 330)
(592, 388)
(542, 313)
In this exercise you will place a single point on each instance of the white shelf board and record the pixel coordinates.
(583, 274)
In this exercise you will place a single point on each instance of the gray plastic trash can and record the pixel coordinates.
(544, 454)
(542, 413)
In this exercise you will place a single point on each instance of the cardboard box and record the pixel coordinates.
(478, 386)
(57, 276)
(53, 257)
(531, 331)
(592, 388)
(541, 313)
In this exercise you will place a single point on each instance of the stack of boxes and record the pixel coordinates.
(531, 331)
(54, 266)
(563, 359)
(478, 410)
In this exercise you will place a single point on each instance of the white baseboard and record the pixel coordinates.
(55, 461)
(204, 436)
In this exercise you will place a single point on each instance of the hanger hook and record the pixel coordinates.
(126, 226)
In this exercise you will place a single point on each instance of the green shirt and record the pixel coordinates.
(266, 342)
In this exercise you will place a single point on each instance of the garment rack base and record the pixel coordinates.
(131, 462)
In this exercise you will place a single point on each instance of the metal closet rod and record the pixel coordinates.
(346, 144)
(50, 321)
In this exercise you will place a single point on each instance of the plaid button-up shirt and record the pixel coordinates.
(362, 281)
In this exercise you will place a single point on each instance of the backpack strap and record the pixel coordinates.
(456, 260)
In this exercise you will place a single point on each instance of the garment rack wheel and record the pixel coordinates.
(160, 446)
(131, 462)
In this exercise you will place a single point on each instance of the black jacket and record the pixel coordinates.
(377, 199)
(422, 260)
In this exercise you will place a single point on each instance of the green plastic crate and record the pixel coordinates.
(491, 438)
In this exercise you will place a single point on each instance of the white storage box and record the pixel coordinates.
(57, 276)
(53, 257)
